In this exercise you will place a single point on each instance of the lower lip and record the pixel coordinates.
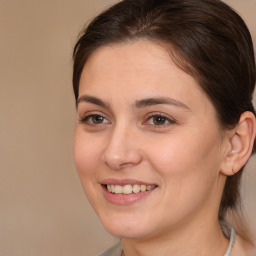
(123, 199)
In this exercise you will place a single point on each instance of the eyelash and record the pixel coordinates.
(159, 126)
(87, 119)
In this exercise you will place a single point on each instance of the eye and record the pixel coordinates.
(94, 119)
(158, 120)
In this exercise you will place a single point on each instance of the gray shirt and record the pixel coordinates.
(114, 250)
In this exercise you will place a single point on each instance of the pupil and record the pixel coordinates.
(97, 119)
(159, 120)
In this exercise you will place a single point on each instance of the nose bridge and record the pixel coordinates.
(121, 149)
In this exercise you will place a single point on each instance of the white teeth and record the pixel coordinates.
(128, 189)
(149, 187)
(136, 189)
(143, 188)
(118, 189)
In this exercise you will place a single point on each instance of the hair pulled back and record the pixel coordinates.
(205, 38)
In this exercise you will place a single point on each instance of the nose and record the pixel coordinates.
(122, 149)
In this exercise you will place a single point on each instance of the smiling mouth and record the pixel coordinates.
(129, 189)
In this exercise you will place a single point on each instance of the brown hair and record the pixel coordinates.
(206, 38)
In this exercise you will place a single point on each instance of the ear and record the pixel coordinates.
(241, 141)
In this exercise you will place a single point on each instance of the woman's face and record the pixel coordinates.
(147, 131)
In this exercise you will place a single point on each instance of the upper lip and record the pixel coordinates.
(123, 182)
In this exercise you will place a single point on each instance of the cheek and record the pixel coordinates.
(188, 171)
(87, 158)
(86, 154)
(178, 154)
(187, 164)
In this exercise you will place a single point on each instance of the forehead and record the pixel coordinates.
(135, 56)
(135, 70)
(143, 62)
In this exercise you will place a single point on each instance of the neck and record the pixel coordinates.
(183, 241)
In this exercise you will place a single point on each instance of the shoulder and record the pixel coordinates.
(114, 250)
(243, 247)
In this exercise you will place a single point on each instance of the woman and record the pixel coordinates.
(165, 124)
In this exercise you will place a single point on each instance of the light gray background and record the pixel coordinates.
(43, 210)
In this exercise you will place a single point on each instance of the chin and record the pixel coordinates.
(127, 232)
(132, 228)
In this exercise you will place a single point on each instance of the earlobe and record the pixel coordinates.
(241, 144)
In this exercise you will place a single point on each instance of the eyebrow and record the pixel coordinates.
(138, 103)
(160, 100)
(93, 100)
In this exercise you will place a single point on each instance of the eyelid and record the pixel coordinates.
(107, 121)
(88, 115)
(155, 114)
